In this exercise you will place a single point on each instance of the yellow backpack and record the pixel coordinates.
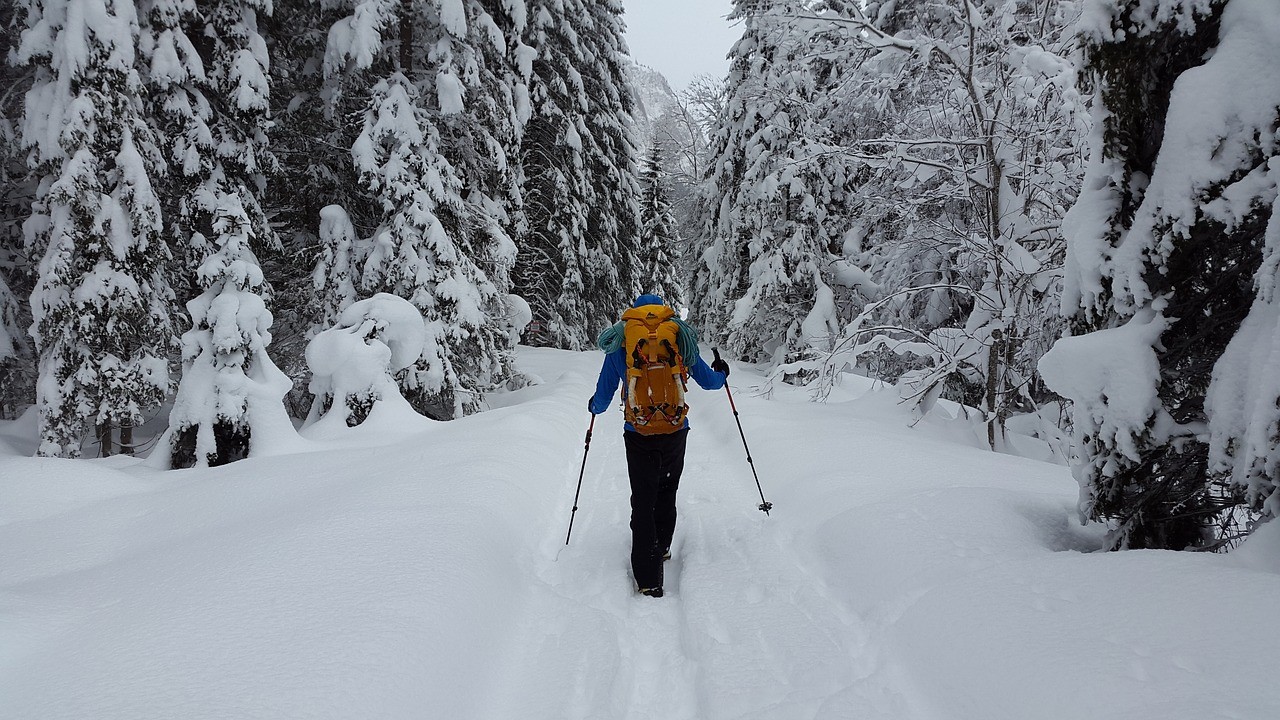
(656, 376)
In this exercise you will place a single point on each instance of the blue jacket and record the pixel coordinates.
(615, 368)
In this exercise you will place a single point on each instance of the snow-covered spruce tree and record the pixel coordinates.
(214, 111)
(773, 213)
(576, 265)
(17, 188)
(315, 125)
(549, 267)
(230, 391)
(612, 166)
(421, 64)
(719, 267)
(660, 259)
(1165, 249)
(101, 302)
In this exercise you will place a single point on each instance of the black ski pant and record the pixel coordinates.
(654, 464)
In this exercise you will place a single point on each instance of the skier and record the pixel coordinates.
(656, 353)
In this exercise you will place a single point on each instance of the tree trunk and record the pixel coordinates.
(994, 356)
(126, 438)
(104, 439)
(406, 38)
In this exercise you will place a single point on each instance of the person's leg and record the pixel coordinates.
(642, 469)
(669, 470)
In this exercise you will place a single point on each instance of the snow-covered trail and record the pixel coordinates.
(412, 570)
(747, 628)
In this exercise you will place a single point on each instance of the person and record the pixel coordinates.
(655, 451)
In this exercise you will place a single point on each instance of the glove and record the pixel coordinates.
(590, 402)
(720, 366)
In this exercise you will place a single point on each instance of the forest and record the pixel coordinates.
(1057, 213)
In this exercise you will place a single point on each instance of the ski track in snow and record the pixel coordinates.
(741, 611)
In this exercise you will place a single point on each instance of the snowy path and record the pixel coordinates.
(414, 570)
(745, 630)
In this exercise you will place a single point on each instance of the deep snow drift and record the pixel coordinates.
(420, 572)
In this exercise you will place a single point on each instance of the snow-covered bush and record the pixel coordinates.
(353, 364)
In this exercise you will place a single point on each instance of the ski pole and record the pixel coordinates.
(585, 449)
(764, 505)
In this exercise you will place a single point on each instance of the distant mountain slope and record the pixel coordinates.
(654, 98)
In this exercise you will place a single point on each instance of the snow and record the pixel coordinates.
(902, 575)
(373, 340)
(450, 93)
(1112, 377)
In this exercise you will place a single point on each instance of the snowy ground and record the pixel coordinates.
(421, 572)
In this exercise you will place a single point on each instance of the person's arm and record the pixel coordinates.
(607, 383)
(706, 378)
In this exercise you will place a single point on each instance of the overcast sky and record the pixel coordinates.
(680, 38)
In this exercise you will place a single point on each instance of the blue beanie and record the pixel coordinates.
(647, 300)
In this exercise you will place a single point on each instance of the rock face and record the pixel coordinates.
(654, 99)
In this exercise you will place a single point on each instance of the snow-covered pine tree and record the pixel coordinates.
(17, 368)
(660, 258)
(214, 112)
(720, 264)
(101, 301)
(231, 390)
(612, 166)
(1165, 247)
(770, 229)
(549, 267)
(576, 266)
(421, 64)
